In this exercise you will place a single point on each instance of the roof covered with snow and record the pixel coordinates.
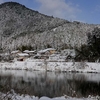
(16, 51)
(45, 50)
(23, 54)
(27, 51)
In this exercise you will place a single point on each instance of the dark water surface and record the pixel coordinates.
(51, 84)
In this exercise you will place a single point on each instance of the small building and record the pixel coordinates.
(31, 53)
(22, 56)
(47, 51)
(44, 54)
(14, 53)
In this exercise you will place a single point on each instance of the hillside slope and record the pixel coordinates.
(20, 26)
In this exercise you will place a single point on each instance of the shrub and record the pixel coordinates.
(23, 47)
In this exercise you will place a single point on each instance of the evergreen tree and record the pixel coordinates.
(91, 51)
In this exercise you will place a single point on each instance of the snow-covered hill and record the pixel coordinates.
(20, 26)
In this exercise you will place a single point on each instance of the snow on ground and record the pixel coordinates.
(11, 95)
(52, 66)
(41, 65)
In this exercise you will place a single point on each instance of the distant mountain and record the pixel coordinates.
(21, 26)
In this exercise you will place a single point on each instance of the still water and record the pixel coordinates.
(51, 84)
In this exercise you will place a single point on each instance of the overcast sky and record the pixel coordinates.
(87, 11)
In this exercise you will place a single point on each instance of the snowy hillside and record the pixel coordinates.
(20, 26)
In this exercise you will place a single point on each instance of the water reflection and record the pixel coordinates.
(51, 84)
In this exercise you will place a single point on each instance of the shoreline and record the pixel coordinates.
(60, 66)
(11, 94)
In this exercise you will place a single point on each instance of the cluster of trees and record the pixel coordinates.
(91, 51)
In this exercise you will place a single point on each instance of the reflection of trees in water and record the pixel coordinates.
(47, 85)
(5, 83)
(88, 88)
(39, 86)
(84, 88)
(73, 85)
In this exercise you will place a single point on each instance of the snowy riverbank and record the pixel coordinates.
(13, 96)
(41, 65)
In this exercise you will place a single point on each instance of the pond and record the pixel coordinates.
(50, 84)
